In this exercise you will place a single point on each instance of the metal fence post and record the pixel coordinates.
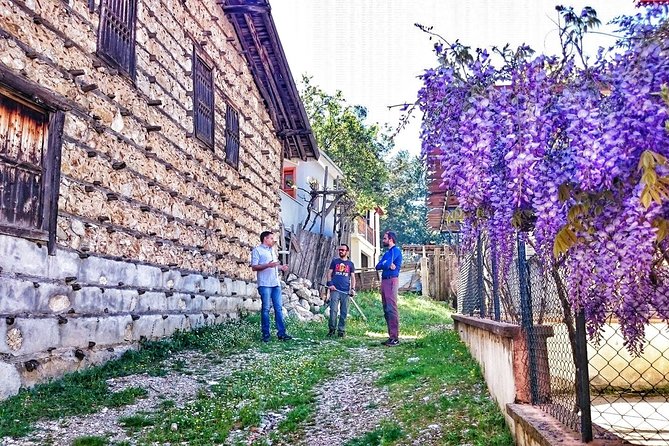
(583, 378)
(527, 318)
(495, 281)
(479, 276)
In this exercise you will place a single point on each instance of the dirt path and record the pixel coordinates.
(348, 405)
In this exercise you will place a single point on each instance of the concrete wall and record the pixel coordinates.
(154, 228)
(612, 366)
(492, 347)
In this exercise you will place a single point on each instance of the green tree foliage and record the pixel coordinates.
(406, 213)
(355, 146)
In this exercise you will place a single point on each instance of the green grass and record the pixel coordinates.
(90, 441)
(136, 422)
(387, 434)
(430, 377)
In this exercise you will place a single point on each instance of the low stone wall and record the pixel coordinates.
(501, 350)
(62, 313)
(533, 427)
(492, 345)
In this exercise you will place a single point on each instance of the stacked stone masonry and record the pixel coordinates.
(154, 228)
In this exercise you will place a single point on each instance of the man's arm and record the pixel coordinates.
(382, 263)
(329, 278)
(352, 277)
(256, 266)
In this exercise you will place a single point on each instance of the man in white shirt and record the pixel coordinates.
(265, 263)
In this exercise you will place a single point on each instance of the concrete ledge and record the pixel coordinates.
(498, 328)
(533, 427)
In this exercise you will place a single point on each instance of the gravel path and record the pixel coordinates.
(348, 405)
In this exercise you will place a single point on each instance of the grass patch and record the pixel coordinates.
(90, 441)
(387, 434)
(136, 422)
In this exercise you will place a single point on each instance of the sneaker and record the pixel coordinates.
(331, 333)
(392, 343)
(341, 334)
(285, 338)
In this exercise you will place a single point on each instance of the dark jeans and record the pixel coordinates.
(338, 301)
(273, 294)
(389, 288)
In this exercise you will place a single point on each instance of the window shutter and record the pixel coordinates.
(232, 137)
(116, 36)
(203, 99)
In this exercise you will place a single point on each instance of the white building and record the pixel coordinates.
(366, 240)
(298, 179)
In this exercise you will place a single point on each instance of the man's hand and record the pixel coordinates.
(352, 293)
(273, 264)
(283, 268)
(392, 266)
(333, 288)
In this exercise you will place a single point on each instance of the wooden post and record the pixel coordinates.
(324, 203)
(424, 275)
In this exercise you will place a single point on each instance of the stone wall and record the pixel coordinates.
(154, 228)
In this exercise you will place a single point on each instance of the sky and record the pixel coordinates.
(373, 53)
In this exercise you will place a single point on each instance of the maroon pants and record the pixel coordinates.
(389, 289)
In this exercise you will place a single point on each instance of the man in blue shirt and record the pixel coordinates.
(264, 262)
(341, 282)
(390, 265)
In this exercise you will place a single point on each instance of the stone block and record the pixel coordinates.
(22, 256)
(19, 296)
(36, 335)
(10, 380)
(226, 287)
(63, 264)
(239, 288)
(212, 285)
(78, 332)
(148, 277)
(191, 283)
(251, 291)
(147, 326)
(150, 302)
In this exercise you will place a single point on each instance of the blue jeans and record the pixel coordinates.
(338, 299)
(273, 294)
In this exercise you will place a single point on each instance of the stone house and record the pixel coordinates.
(141, 148)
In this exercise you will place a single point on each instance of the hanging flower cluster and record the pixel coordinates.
(577, 148)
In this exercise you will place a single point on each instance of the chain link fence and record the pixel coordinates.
(621, 396)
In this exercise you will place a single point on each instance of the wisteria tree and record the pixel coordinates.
(574, 149)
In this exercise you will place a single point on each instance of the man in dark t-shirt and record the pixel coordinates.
(341, 282)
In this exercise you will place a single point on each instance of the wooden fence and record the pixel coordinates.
(435, 274)
(439, 274)
(310, 255)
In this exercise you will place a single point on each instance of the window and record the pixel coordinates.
(116, 35)
(232, 137)
(203, 99)
(288, 184)
(30, 142)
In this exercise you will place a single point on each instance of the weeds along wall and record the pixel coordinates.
(140, 178)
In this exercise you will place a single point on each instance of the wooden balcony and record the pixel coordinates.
(365, 231)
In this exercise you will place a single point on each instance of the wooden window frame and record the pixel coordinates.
(203, 99)
(29, 96)
(288, 170)
(104, 49)
(232, 140)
